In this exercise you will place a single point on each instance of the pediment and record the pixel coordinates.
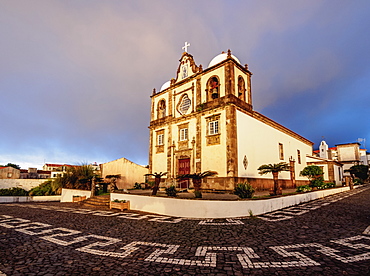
(186, 68)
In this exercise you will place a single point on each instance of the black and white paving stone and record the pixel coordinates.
(328, 239)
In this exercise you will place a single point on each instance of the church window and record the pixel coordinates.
(241, 88)
(184, 104)
(213, 127)
(213, 87)
(183, 134)
(161, 109)
(213, 130)
(299, 156)
(160, 139)
(281, 151)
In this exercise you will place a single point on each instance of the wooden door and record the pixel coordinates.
(184, 168)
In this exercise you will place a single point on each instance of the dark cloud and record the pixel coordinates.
(76, 76)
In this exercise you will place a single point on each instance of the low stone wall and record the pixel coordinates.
(67, 194)
(260, 184)
(26, 184)
(215, 208)
(9, 199)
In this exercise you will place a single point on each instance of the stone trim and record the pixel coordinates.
(159, 148)
(186, 57)
(213, 139)
(231, 141)
(229, 79)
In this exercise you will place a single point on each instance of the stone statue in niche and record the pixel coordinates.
(161, 109)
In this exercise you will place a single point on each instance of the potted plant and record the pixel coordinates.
(78, 198)
(120, 204)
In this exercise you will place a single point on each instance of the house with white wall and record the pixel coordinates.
(130, 172)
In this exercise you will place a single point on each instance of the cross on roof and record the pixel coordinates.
(186, 46)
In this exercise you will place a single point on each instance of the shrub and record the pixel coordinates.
(198, 194)
(358, 181)
(137, 186)
(244, 190)
(304, 189)
(317, 182)
(171, 191)
(324, 185)
(15, 191)
(44, 189)
(119, 201)
(149, 184)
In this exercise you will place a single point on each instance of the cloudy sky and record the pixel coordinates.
(76, 75)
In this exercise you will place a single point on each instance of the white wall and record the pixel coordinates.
(213, 157)
(260, 143)
(217, 209)
(347, 153)
(159, 160)
(67, 194)
(26, 184)
(129, 171)
(9, 199)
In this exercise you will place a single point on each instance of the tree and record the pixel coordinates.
(314, 174)
(77, 177)
(275, 169)
(197, 180)
(359, 171)
(157, 180)
(13, 165)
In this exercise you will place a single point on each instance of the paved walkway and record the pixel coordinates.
(56, 239)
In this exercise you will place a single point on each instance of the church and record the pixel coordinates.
(203, 119)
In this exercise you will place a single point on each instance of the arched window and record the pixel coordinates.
(161, 111)
(213, 88)
(241, 88)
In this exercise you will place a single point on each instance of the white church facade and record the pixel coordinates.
(203, 119)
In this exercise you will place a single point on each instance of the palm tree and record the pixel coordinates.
(157, 180)
(197, 180)
(77, 177)
(274, 169)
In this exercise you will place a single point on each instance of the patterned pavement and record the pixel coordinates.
(329, 236)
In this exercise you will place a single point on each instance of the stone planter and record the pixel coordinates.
(120, 205)
(78, 198)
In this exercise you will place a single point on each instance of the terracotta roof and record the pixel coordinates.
(43, 172)
(58, 165)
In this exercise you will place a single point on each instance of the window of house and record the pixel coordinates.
(160, 139)
(281, 151)
(10, 174)
(213, 127)
(299, 156)
(161, 109)
(183, 134)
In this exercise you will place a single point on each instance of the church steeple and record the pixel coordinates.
(324, 149)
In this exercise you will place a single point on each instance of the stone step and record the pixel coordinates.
(97, 201)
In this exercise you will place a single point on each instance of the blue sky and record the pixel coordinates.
(76, 76)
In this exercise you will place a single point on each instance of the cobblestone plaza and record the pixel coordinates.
(329, 236)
